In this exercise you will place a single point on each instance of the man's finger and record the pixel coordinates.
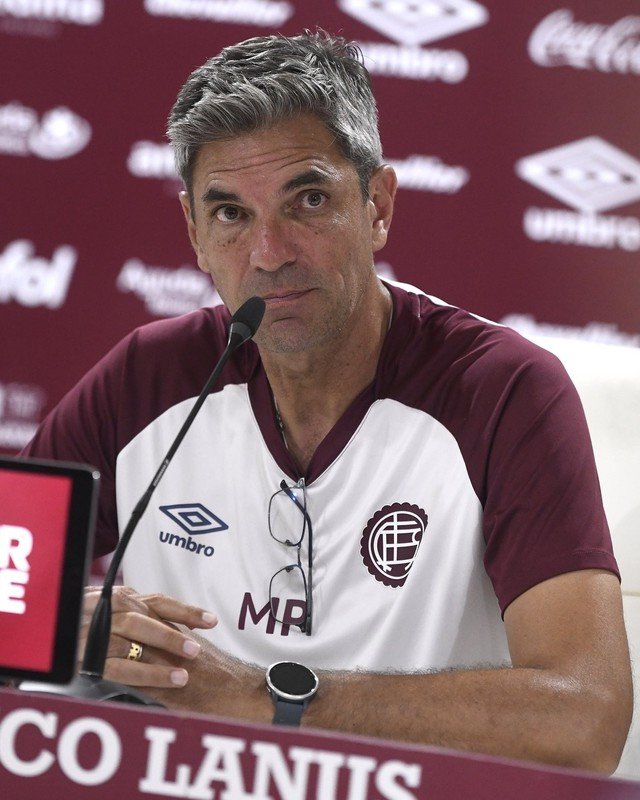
(136, 673)
(168, 608)
(135, 627)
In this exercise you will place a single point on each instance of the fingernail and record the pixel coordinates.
(208, 618)
(179, 677)
(190, 648)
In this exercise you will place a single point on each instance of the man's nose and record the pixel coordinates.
(271, 245)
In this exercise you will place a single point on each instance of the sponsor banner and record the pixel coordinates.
(600, 332)
(411, 25)
(33, 281)
(267, 13)
(152, 160)
(561, 40)
(59, 133)
(77, 12)
(592, 176)
(21, 407)
(167, 292)
(429, 174)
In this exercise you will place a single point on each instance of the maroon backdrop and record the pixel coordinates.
(514, 126)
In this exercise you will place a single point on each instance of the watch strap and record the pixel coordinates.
(287, 712)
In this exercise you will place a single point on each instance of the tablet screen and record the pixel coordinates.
(46, 536)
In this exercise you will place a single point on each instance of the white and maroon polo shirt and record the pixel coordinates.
(461, 477)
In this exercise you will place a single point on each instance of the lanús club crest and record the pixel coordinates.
(390, 542)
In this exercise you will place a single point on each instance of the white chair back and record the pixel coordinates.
(607, 378)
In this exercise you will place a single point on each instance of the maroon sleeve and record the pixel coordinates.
(521, 429)
(82, 428)
(543, 513)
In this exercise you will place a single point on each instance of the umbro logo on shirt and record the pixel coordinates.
(390, 542)
(195, 519)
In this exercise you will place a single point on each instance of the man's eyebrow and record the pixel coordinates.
(213, 195)
(312, 175)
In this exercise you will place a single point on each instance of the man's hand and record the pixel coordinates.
(178, 668)
(152, 621)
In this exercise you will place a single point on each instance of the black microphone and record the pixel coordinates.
(89, 683)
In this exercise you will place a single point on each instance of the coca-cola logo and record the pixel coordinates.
(560, 40)
(390, 542)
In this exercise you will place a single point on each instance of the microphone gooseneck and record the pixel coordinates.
(90, 683)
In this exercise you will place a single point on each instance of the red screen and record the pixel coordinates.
(33, 528)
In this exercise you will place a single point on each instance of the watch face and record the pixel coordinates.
(292, 679)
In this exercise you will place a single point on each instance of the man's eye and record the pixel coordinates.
(314, 199)
(227, 213)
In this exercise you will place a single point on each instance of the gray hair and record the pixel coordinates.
(261, 81)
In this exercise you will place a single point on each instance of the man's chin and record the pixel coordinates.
(284, 336)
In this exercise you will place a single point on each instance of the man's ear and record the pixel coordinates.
(185, 202)
(382, 191)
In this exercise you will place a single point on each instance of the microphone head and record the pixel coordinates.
(246, 321)
(250, 313)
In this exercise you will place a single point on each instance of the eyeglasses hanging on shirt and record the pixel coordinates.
(290, 599)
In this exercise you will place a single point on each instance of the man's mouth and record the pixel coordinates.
(284, 296)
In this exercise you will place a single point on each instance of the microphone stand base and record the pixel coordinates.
(92, 687)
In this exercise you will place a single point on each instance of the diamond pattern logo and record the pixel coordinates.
(416, 22)
(194, 518)
(590, 174)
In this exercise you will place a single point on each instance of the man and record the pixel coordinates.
(379, 477)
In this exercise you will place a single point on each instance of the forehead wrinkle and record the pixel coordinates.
(317, 173)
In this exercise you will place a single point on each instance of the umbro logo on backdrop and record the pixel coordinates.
(390, 542)
(413, 23)
(592, 176)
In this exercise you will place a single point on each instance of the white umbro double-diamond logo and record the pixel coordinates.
(415, 22)
(590, 174)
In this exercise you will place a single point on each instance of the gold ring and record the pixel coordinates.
(135, 651)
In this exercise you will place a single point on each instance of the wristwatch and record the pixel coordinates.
(291, 687)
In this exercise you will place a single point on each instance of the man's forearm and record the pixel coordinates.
(531, 714)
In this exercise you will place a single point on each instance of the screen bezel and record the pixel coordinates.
(76, 559)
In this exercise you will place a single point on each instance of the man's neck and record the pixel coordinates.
(313, 389)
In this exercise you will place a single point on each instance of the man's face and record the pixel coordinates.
(279, 213)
